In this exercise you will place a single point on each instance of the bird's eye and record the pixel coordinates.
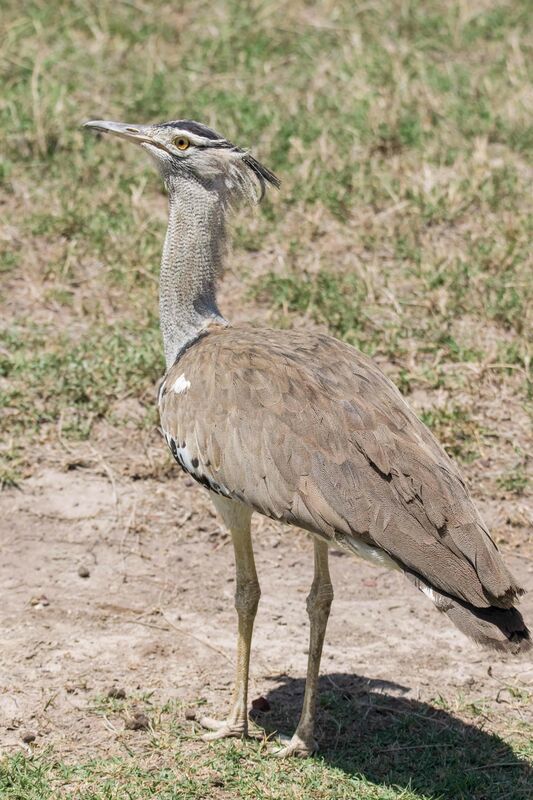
(181, 142)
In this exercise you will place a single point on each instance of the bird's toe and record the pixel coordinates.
(225, 732)
(294, 747)
(212, 724)
(222, 729)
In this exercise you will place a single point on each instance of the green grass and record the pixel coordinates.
(47, 381)
(425, 110)
(374, 746)
(50, 379)
(336, 301)
(456, 430)
(515, 481)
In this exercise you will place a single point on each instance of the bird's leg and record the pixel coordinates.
(318, 606)
(237, 518)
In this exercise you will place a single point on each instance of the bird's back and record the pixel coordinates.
(306, 429)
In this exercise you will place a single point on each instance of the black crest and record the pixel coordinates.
(196, 128)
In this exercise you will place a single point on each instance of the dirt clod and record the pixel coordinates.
(84, 571)
(117, 693)
(28, 737)
(190, 714)
(260, 704)
(138, 722)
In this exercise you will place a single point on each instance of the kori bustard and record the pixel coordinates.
(302, 428)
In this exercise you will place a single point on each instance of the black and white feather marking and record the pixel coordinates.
(192, 466)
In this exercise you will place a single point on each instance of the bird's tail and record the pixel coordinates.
(498, 628)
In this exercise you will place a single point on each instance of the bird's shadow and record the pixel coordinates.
(371, 729)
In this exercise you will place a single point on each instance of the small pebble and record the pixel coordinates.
(138, 722)
(190, 714)
(117, 693)
(40, 602)
(28, 737)
(83, 571)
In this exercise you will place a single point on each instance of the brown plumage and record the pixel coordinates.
(307, 430)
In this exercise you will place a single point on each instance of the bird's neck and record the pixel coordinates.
(192, 261)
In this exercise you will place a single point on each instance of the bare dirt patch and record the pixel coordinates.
(151, 612)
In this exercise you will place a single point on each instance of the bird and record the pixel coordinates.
(301, 428)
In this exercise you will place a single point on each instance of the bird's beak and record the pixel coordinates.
(134, 133)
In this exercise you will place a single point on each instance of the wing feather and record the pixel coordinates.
(307, 430)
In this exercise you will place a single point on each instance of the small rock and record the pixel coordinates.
(117, 693)
(84, 571)
(260, 704)
(138, 722)
(28, 737)
(190, 714)
(40, 602)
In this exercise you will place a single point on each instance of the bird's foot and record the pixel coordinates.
(295, 747)
(223, 729)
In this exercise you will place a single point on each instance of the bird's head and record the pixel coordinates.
(187, 150)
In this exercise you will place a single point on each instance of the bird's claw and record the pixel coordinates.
(294, 747)
(223, 729)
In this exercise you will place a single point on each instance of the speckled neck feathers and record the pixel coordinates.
(192, 262)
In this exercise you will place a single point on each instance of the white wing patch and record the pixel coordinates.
(375, 555)
(428, 591)
(181, 384)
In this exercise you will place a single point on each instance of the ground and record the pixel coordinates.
(401, 131)
(113, 584)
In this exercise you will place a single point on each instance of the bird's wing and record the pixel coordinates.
(307, 430)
